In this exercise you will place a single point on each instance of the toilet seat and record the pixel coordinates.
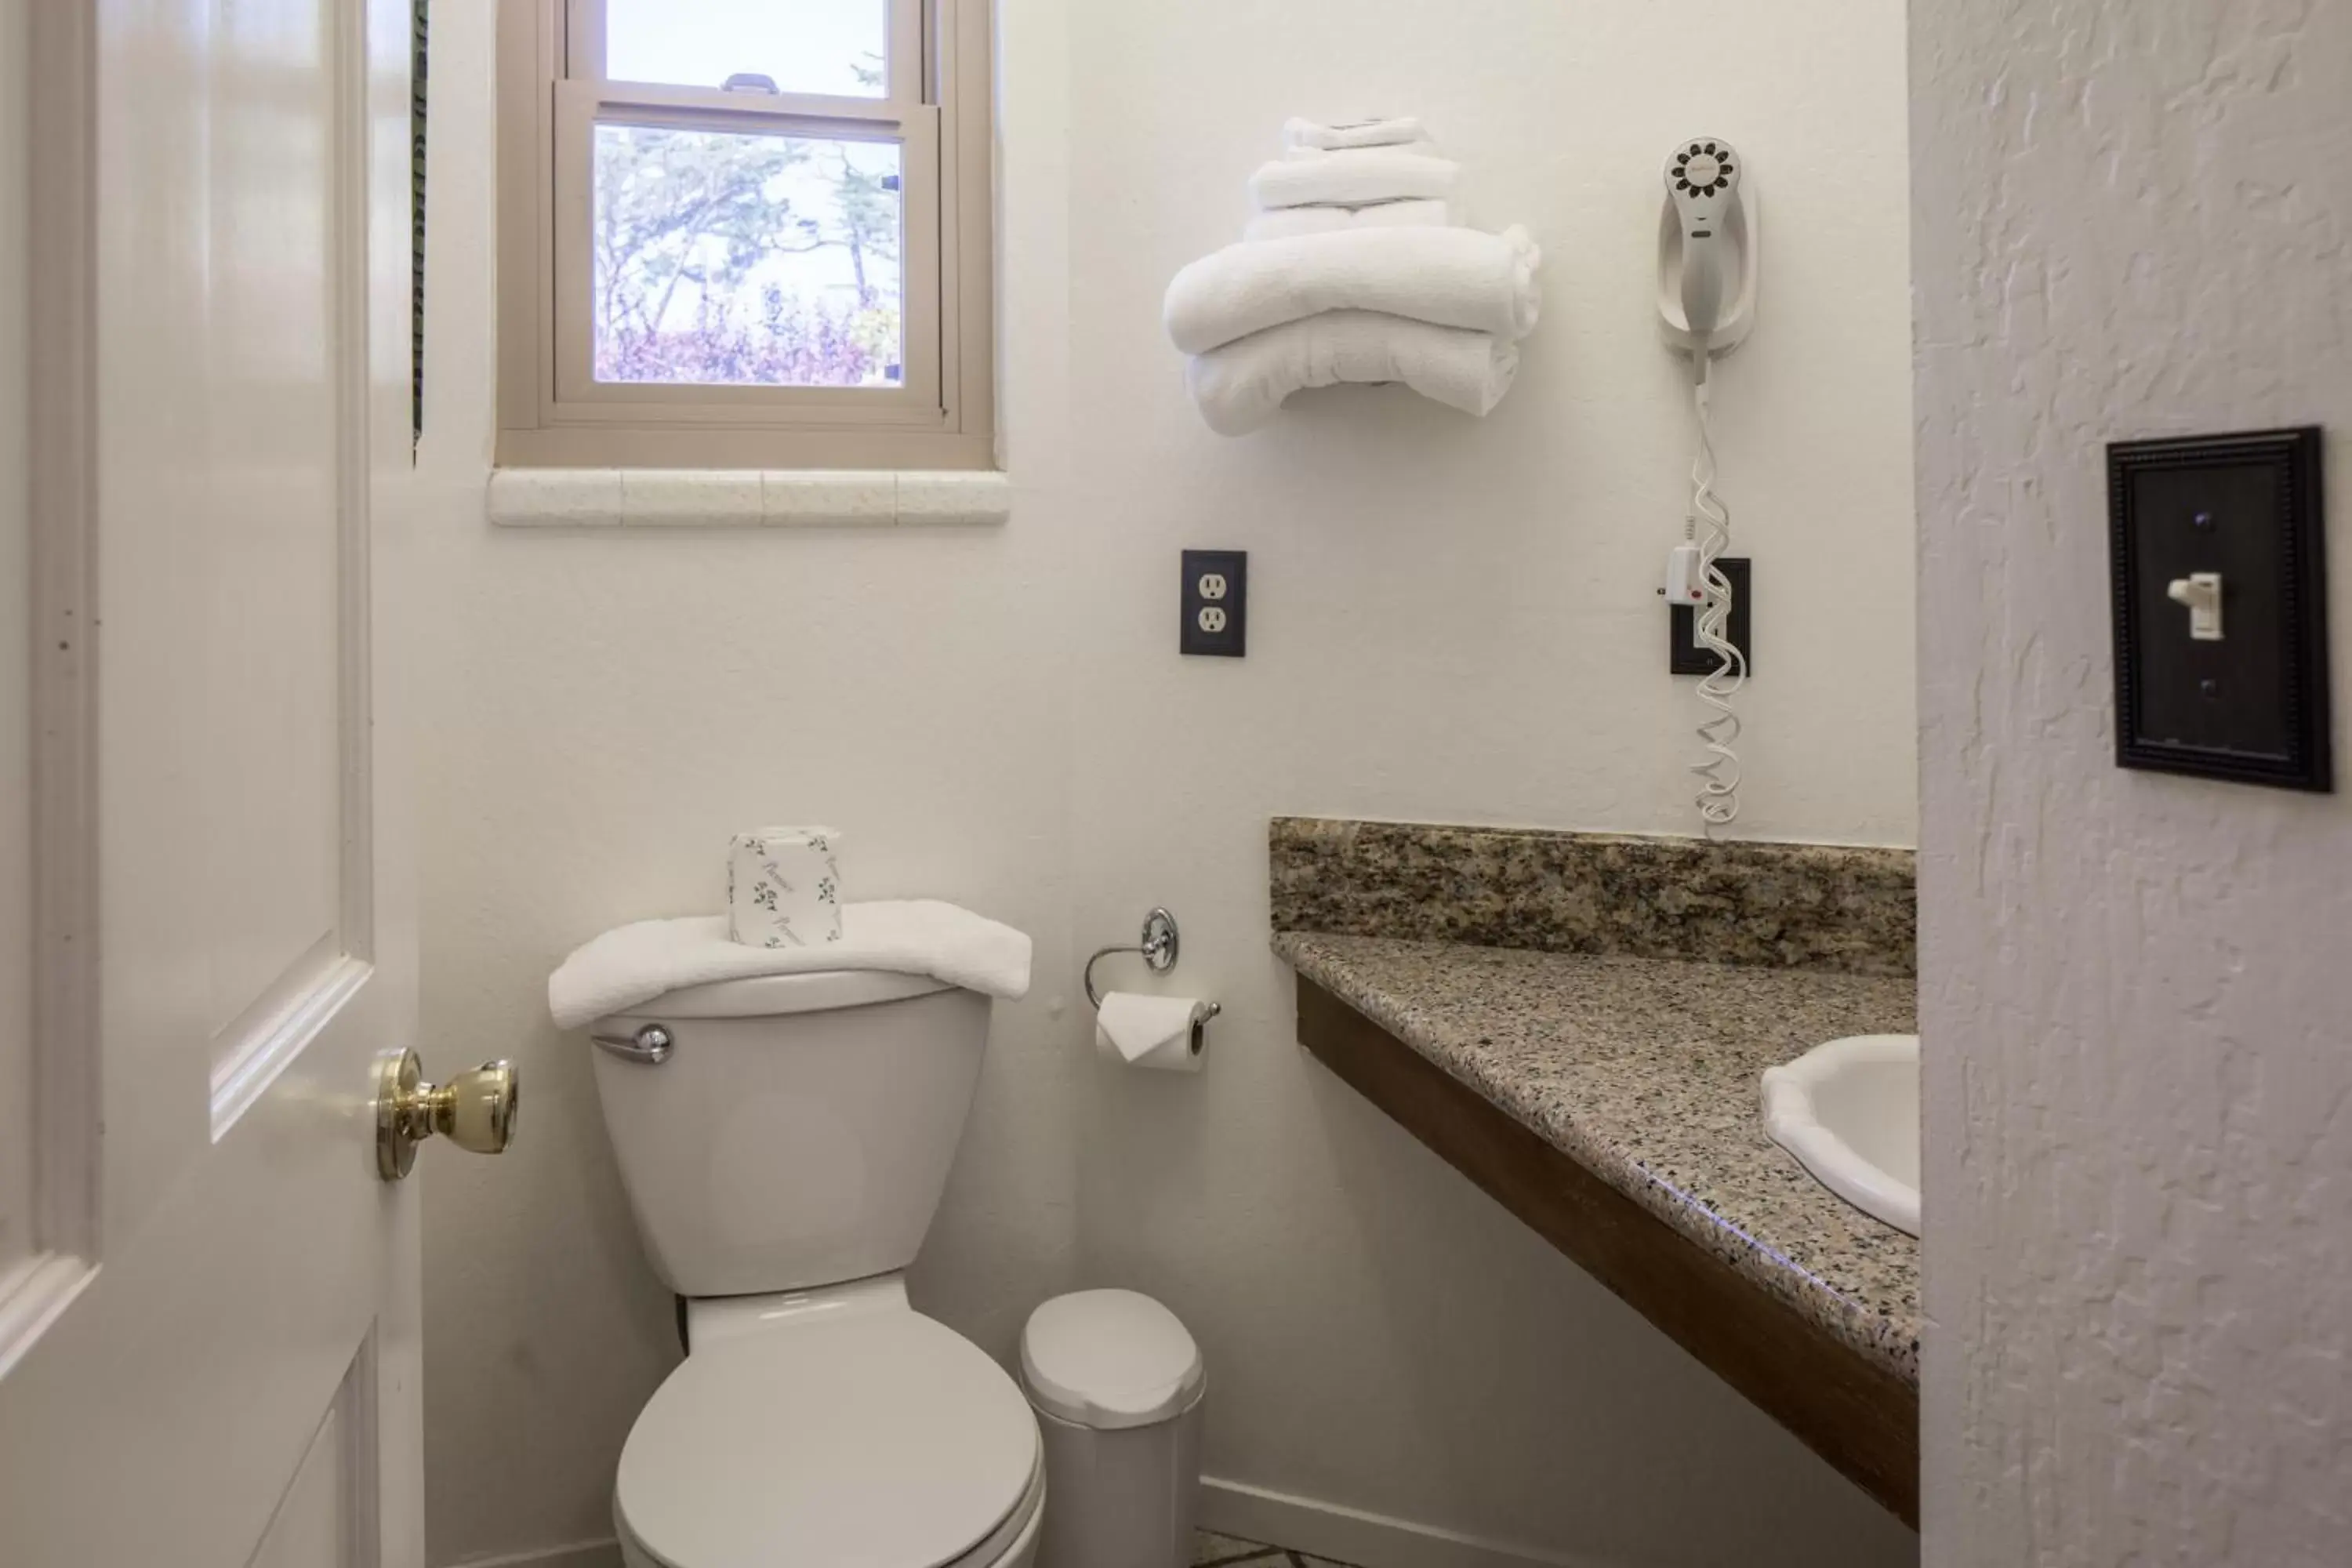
(875, 1440)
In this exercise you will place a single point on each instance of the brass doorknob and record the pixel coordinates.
(475, 1111)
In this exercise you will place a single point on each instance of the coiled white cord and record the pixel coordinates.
(1718, 795)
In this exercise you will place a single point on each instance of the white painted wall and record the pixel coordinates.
(607, 708)
(2132, 220)
(15, 658)
(1453, 620)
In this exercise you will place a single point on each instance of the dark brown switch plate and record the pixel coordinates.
(2252, 705)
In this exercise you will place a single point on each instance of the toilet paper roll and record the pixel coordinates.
(783, 887)
(1153, 1032)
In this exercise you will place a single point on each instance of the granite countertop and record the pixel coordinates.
(1644, 1069)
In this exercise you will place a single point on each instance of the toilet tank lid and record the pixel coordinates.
(1110, 1359)
(773, 995)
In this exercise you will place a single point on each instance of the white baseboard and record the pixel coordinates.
(579, 1554)
(1351, 1535)
(1252, 1513)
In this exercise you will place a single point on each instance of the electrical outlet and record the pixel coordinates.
(1215, 604)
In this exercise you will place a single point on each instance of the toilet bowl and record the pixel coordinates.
(784, 1157)
(836, 1426)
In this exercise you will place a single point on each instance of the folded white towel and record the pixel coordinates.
(636, 964)
(1292, 221)
(1239, 386)
(1393, 132)
(1451, 277)
(1424, 148)
(1354, 177)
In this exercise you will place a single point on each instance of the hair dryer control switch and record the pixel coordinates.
(1683, 654)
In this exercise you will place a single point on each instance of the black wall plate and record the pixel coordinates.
(1214, 603)
(1684, 656)
(2253, 706)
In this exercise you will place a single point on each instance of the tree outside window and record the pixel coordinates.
(721, 257)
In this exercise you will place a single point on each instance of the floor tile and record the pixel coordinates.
(1229, 1552)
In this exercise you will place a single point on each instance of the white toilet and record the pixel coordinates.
(784, 1141)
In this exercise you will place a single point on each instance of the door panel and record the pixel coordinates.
(16, 687)
(272, 545)
(316, 1524)
(237, 1381)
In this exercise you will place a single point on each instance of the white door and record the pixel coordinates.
(221, 381)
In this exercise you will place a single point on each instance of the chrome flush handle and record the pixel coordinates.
(649, 1046)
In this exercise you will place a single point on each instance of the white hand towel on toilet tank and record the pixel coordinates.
(783, 887)
(637, 963)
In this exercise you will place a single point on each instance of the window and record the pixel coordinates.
(744, 234)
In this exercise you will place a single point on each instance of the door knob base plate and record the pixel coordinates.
(397, 1076)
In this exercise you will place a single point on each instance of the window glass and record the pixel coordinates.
(839, 47)
(745, 259)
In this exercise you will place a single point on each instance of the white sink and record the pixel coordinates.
(1849, 1111)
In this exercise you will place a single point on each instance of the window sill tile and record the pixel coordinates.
(830, 500)
(684, 498)
(556, 497)
(947, 497)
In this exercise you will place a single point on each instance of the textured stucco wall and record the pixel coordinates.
(2131, 220)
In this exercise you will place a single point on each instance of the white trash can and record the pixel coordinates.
(1116, 1383)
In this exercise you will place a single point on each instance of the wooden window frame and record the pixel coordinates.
(936, 104)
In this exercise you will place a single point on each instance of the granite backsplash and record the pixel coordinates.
(1725, 901)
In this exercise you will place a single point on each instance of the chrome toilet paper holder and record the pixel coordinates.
(1159, 943)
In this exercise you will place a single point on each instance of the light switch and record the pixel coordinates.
(2221, 611)
(2202, 592)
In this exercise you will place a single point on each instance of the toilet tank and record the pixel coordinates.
(799, 1132)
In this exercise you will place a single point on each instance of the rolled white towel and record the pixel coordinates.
(1448, 277)
(1292, 221)
(1393, 132)
(1239, 386)
(1354, 177)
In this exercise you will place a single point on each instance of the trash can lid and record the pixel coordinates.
(1110, 1359)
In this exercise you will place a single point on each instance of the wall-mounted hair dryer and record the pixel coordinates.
(1706, 252)
(1706, 304)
